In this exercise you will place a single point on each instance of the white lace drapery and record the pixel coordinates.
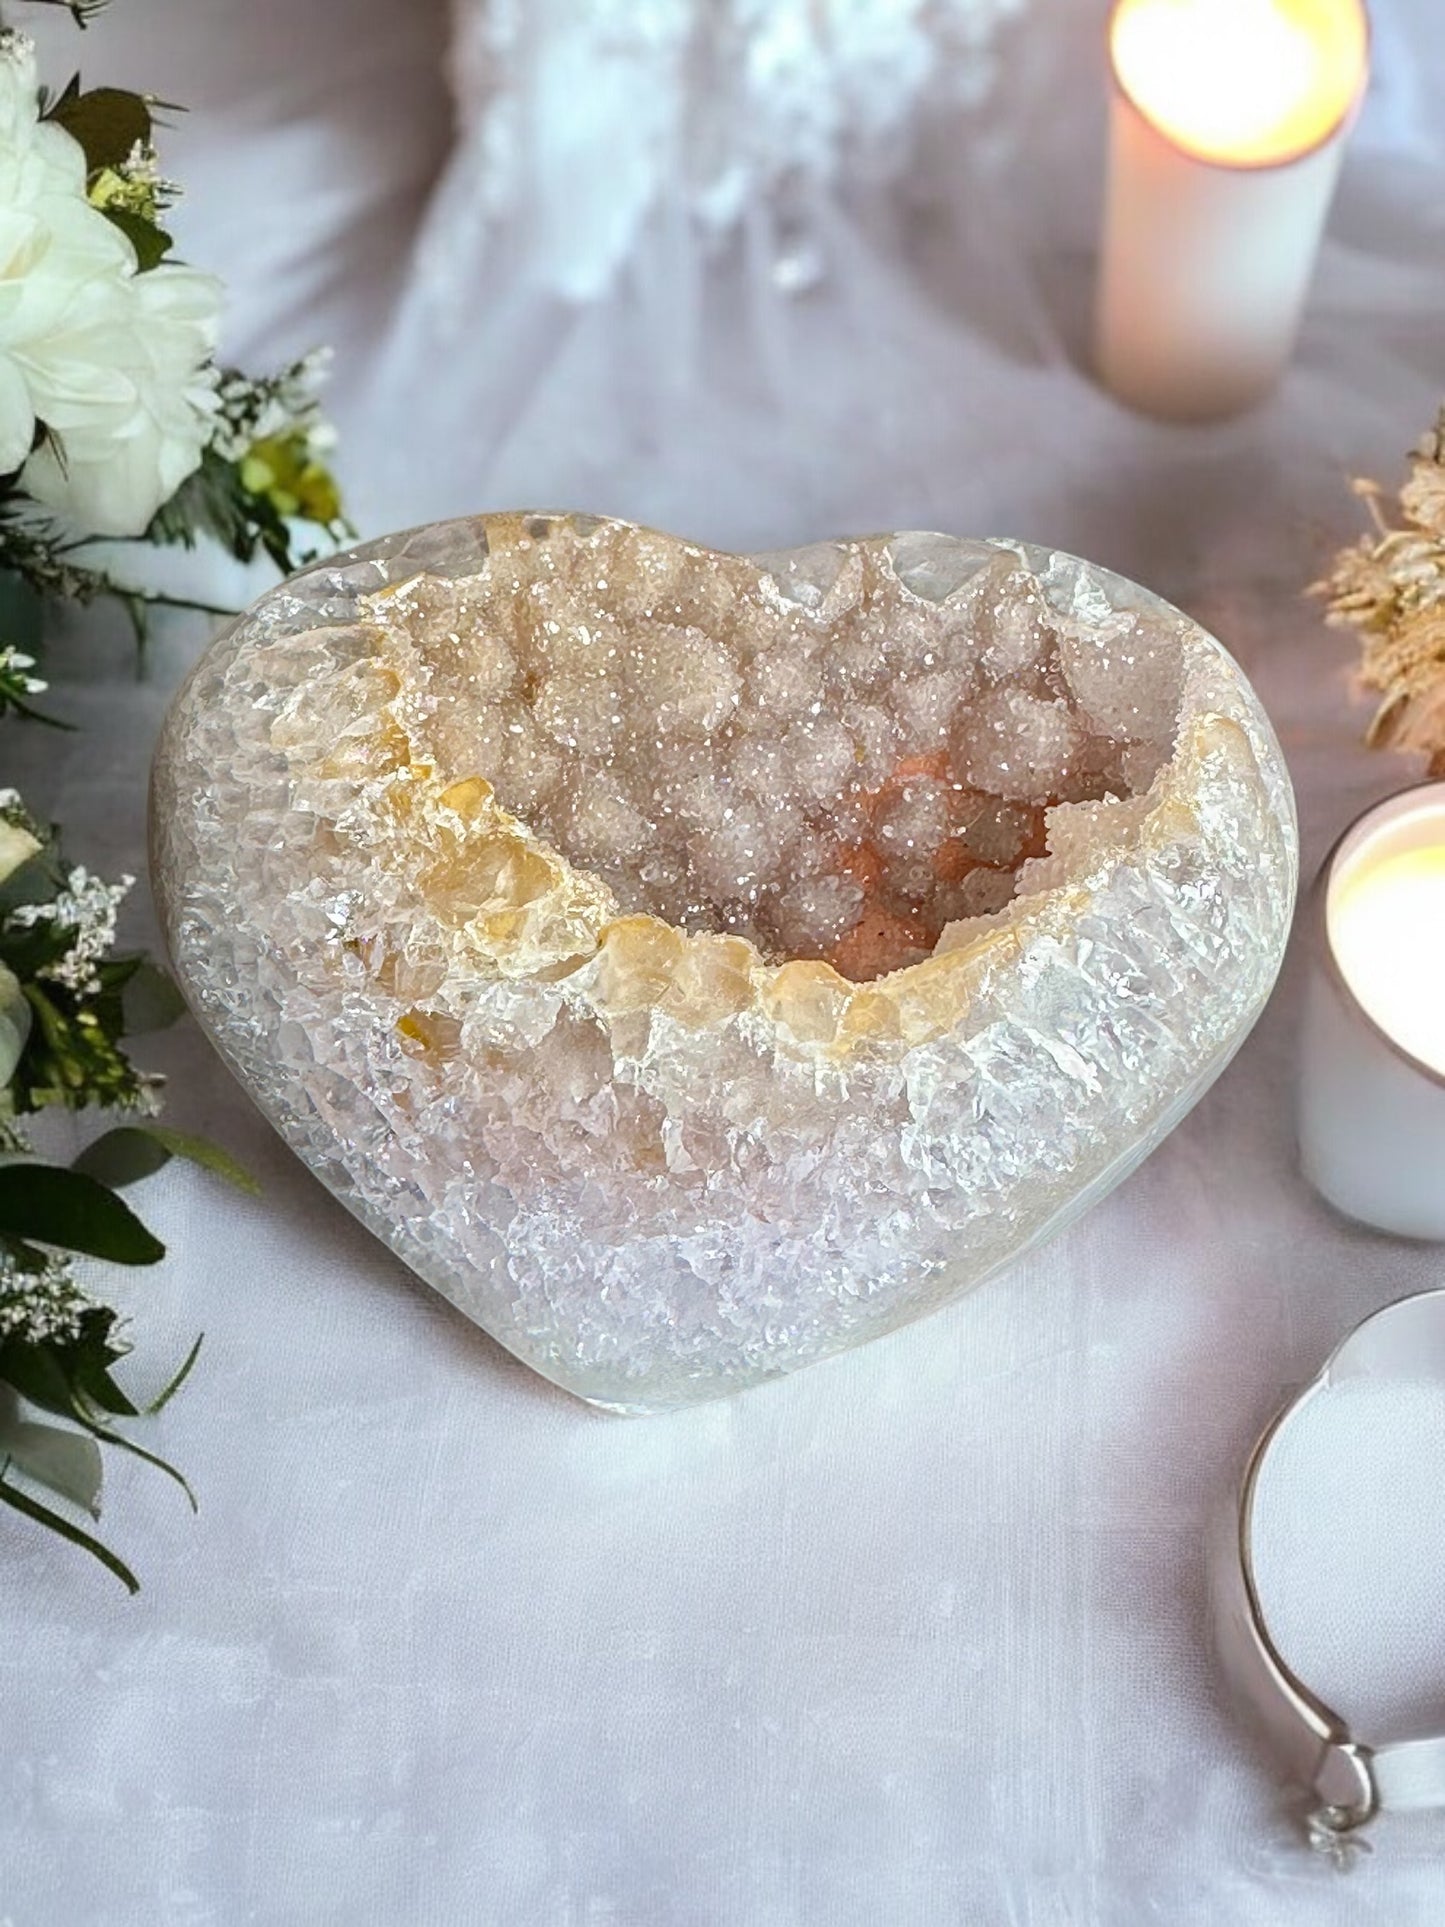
(587, 117)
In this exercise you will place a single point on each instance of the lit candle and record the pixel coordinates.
(1387, 930)
(1227, 126)
(1372, 1082)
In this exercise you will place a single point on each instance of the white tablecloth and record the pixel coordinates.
(918, 1637)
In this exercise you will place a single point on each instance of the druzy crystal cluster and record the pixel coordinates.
(692, 964)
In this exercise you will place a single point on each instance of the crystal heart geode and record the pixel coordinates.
(693, 964)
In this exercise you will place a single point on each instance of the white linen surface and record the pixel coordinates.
(920, 1635)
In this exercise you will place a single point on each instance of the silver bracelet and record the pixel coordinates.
(1349, 1780)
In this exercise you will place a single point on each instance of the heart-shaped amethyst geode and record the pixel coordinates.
(692, 964)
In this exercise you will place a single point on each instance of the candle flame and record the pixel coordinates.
(1387, 929)
(1247, 83)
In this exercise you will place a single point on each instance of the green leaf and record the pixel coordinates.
(74, 1381)
(122, 1157)
(37, 1374)
(168, 1392)
(72, 1056)
(68, 1462)
(22, 616)
(49, 106)
(151, 244)
(27, 1257)
(107, 122)
(214, 501)
(71, 1376)
(134, 1151)
(33, 881)
(19, 707)
(150, 1000)
(67, 1209)
(210, 1157)
(92, 1384)
(30, 1508)
(123, 1444)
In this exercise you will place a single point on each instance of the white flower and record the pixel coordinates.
(127, 444)
(15, 1020)
(15, 667)
(17, 846)
(114, 363)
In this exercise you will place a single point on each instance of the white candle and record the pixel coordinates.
(1372, 1081)
(1227, 126)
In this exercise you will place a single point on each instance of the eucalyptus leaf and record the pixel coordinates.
(210, 1157)
(68, 1462)
(135, 1151)
(150, 1000)
(122, 1157)
(67, 1209)
(32, 1509)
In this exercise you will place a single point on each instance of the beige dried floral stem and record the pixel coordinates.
(1390, 586)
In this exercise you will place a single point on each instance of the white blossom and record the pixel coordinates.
(116, 365)
(15, 665)
(250, 411)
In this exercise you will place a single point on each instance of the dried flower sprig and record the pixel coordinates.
(1390, 586)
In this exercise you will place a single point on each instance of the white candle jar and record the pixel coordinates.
(1372, 1073)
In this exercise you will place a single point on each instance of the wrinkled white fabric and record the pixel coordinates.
(919, 1636)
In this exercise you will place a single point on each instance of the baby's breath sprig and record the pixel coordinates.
(67, 1003)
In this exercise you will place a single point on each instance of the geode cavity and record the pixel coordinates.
(692, 964)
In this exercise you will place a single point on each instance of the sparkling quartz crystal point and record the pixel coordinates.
(693, 964)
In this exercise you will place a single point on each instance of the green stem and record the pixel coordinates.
(156, 600)
(42, 1515)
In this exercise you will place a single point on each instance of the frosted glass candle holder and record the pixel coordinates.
(693, 964)
(1372, 1068)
